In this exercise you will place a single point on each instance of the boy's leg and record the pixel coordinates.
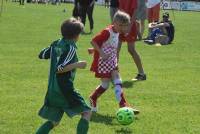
(119, 92)
(46, 127)
(142, 27)
(118, 89)
(98, 92)
(90, 17)
(83, 12)
(130, 39)
(83, 124)
(138, 26)
(53, 114)
(131, 49)
(135, 56)
(118, 50)
(162, 39)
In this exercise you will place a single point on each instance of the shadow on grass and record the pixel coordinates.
(128, 84)
(86, 33)
(106, 119)
(124, 131)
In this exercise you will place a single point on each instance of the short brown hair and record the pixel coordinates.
(121, 17)
(71, 28)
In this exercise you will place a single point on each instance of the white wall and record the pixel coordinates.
(99, 2)
(185, 5)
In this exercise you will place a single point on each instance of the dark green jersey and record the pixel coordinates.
(61, 96)
(60, 86)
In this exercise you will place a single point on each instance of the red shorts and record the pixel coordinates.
(131, 36)
(102, 69)
(128, 6)
(105, 75)
(154, 13)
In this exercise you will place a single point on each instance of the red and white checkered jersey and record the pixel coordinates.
(109, 47)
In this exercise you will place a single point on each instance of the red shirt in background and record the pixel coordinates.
(128, 6)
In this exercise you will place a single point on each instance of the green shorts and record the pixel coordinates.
(55, 112)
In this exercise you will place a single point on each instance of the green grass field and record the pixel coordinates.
(169, 100)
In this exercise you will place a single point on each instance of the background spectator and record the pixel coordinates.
(76, 10)
(153, 10)
(161, 32)
(114, 5)
(86, 9)
(141, 15)
(106, 2)
(130, 6)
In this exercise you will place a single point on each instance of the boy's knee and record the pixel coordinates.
(162, 39)
(86, 115)
(105, 84)
(117, 81)
(131, 48)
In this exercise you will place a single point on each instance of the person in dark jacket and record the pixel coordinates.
(114, 5)
(21, 2)
(76, 10)
(86, 9)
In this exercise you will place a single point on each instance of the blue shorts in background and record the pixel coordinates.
(154, 33)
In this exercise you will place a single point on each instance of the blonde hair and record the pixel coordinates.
(121, 17)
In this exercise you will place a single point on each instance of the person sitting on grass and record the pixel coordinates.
(61, 96)
(161, 32)
(105, 60)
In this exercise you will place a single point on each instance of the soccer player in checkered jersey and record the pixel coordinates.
(105, 64)
(61, 96)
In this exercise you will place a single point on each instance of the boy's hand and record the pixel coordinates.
(104, 56)
(90, 50)
(82, 64)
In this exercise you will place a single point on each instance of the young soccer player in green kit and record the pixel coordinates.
(61, 96)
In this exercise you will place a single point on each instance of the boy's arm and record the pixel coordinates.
(98, 41)
(68, 62)
(96, 47)
(69, 67)
(159, 25)
(45, 53)
(99, 50)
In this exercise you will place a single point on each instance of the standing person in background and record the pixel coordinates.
(141, 15)
(114, 5)
(21, 2)
(153, 9)
(106, 3)
(130, 6)
(86, 9)
(76, 10)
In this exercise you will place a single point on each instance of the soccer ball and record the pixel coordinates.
(125, 116)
